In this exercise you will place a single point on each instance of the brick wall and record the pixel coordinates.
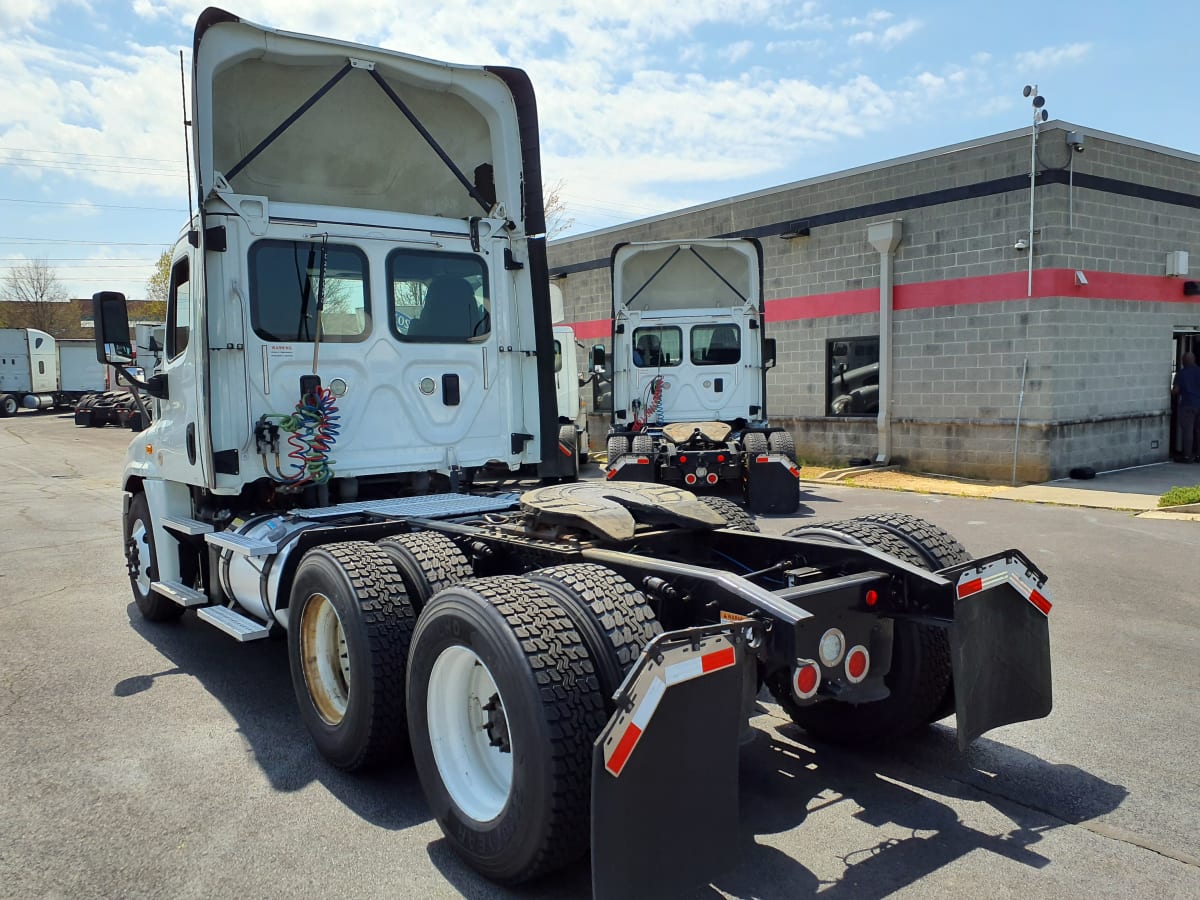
(1095, 390)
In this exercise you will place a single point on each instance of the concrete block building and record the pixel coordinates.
(925, 315)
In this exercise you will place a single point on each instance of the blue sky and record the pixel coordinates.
(644, 107)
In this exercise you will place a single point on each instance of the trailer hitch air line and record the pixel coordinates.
(655, 746)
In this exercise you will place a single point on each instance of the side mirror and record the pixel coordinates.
(111, 317)
(598, 357)
(768, 353)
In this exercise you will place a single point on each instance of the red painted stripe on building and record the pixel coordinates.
(720, 659)
(624, 747)
(955, 291)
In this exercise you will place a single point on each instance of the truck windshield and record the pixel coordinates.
(438, 297)
(284, 279)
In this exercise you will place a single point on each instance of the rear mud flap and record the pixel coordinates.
(665, 769)
(999, 645)
(632, 470)
(772, 485)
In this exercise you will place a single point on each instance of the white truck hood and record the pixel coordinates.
(258, 131)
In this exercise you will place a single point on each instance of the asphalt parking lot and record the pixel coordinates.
(169, 761)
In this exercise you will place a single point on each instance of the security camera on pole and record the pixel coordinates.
(1039, 115)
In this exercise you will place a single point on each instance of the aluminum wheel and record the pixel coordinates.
(140, 555)
(469, 735)
(325, 658)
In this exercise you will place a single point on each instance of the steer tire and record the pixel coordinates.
(348, 670)
(427, 562)
(141, 560)
(919, 676)
(735, 517)
(611, 615)
(513, 815)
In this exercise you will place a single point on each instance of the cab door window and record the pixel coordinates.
(179, 308)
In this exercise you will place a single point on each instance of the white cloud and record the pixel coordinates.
(737, 51)
(887, 38)
(1050, 57)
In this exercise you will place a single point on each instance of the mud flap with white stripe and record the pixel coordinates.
(999, 644)
(665, 768)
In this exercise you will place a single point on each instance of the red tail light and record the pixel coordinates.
(712, 478)
(689, 478)
(806, 678)
(858, 663)
(683, 458)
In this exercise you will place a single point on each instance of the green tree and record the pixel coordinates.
(159, 284)
(38, 298)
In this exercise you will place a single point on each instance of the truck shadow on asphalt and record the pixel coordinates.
(908, 832)
(254, 685)
(786, 778)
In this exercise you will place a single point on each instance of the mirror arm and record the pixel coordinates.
(155, 385)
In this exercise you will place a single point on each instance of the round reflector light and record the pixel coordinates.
(858, 663)
(806, 678)
(683, 457)
(689, 478)
(720, 457)
(832, 646)
(872, 597)
(712, 478)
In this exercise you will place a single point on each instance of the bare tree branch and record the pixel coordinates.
(557, 220)
(38, 298)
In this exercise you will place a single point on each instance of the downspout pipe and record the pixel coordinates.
(885, 238)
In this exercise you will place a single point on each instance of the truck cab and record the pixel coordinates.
(689, 364)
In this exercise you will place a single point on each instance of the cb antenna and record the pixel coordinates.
(187, 150)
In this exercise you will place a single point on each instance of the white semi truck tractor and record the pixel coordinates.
(689, 373)
(358, 320)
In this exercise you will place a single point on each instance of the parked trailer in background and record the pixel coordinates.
(566, 665)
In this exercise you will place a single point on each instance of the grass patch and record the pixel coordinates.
(1180, 496)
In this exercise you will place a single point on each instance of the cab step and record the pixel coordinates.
(185, 525)
(228, 540)
(233, 623)
(180, 593)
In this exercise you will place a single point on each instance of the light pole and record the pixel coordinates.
(1039, 115)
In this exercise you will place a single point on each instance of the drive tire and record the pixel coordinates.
(517, 815)
(755, 444)
(427, 561)
(735, 517)
(783, 443)
(920, 671)
(611, 615)
(141, 559)
(8, 406)
(941, 550)
(618, 446)
(350, 623)
(643, 445)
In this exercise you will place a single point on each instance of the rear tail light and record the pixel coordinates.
(806, 678)
(762, 459)
(712, 478)
(858, 664)
(689, 478)
(683, 457)
(720, 457)
(643, 460)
